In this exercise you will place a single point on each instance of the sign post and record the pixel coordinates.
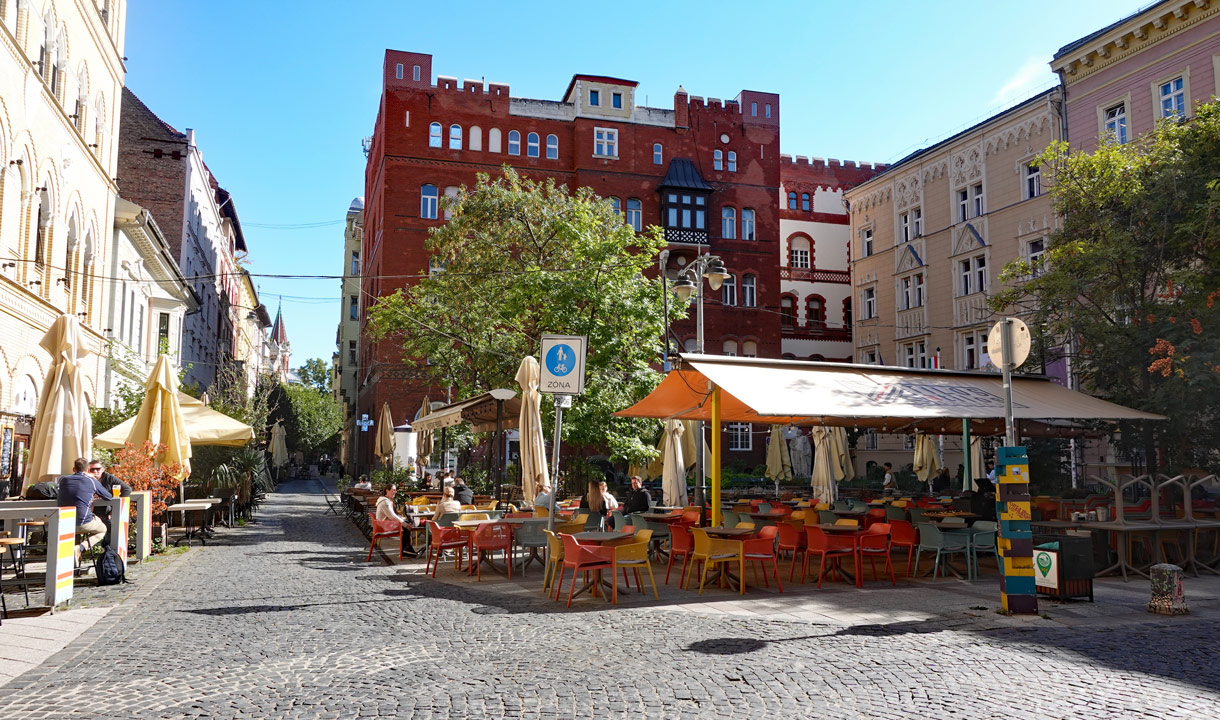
(563, 375)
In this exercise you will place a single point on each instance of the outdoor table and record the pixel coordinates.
(661, 517)
(186, 507)
(1120, 530)
(1057, 526)
(600, 537)
(769, 515)
(732, 533)
(849, 513)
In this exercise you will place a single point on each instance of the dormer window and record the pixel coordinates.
(616, 101)
(594, 98)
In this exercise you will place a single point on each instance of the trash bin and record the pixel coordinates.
(1063, 567)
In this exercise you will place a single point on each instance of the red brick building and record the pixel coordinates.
(707, 171)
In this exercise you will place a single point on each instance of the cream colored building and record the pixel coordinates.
(61, 74)
(348, 335)
(931, 235)
(251, 321)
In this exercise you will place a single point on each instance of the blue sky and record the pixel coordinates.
(281, 93)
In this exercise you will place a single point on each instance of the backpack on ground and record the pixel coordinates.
(108, 568)
(42, 491)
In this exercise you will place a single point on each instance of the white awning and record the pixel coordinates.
(481, 412)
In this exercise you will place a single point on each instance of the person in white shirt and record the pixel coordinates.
(608, 499)
(385, 507)
(364, 483)
(889, 485)
(446, 505)
(543, 498)
(991, 471)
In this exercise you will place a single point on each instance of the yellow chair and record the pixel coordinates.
(473, 516)
(579, 517)
(541, 512)
(845, 522)
(420, 500)
(745, 524)
(797, 517)
(570, 528)
(635, 556)
(822, 506)
(489, 505)
(713, 551)
(554, 559)
(470, 507)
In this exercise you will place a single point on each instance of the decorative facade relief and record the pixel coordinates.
(966, 166)
(908, 192)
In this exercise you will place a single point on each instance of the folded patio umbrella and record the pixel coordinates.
(529, 425)
(63, 427)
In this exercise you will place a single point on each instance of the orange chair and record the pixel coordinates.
(583, 558)
(873, 543)
(830, 547)
(761, 550)
(791, 540)
(690, 516)
(681, 545)
(873, 516)
(904, 534)
(519, 515)
(382, 530)
(489, 538)
(444, 538)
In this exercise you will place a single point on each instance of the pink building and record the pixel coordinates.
(1154, 64)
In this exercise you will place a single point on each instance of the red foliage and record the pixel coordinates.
(139, 468)
(1196, 326)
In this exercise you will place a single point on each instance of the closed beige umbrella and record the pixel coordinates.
(161, 420)
(423, 439)
(688, 446)
(279, 445)
(843, 451)
(529, 425)
(779, 462)
(826, 467)
(925, 463)
(383, 444)
(63, 428)
(673, 474)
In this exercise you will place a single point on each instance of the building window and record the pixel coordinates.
(493, 140)
(605, 142)
(616, 204)
(787, 311)
(1033, 181)
(815, 312)
(455, 137)
(434, 135)
(616, 101)
(552, 147)
(514, 142)
(909, 224)
(847, 319)
(162, 332)
(531, 145)
(870, 437)
(415, 73)
(657, 153)
(963, 205)
(476, 138)
(974, 347)
(729, 348)
(767, 109)
(749, 349)
(976, 195)
(753, 109)
(635, 214)
(728, 223)
(972, 273)
(1173, 98)
(866, 242)
(351, 352)
(805, 202)
(728, 291)
(749, 294)
(427, 202)
(1116, 123)
(915, 355)
(732, 161)
(740, 436)
(868, 303)
(355, 263)
(800, 254)
(685, 212)
(595, 98)
(353, 308)
(747, 224)
(1034, 252)
(398, 71)
(451, 193)
(910, 292)
(717, 160)
(792, 201)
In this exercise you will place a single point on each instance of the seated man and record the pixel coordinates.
(80, 489)
(462, 492)
(639, 500)
(363, 484)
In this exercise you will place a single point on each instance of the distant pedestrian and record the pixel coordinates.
(888, 484)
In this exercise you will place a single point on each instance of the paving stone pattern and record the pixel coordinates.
(284, 619)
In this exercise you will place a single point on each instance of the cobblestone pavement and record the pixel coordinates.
(284, 619)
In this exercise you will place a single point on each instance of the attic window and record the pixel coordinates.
(616, 101)
(594, 98)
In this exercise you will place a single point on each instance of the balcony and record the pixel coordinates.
(685, 236)
(837, 277)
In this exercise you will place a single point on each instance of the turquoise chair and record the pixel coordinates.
(728, 518)
(932, 539)
(895, 513)
(827, 517)
(983, 541)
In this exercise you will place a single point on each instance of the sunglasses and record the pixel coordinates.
(95, 469)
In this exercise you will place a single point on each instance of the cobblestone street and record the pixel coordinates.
(284, 619)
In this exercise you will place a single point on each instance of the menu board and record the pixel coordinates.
(6, 452)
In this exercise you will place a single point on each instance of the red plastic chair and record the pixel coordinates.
(791, 540)
(383, 529)
(583, 558)
(690, 518)
(489, 538)
(874, 543)
(761, 550)
(874, 516)
(444, 538)
(681, 545)
(830, 547)
(904, 534)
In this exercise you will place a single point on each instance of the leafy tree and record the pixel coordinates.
(1131, 278)
(316, 374)
(312, 419)
(524, 258)
(141, 468)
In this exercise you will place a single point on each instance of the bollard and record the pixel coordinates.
(1168, 595)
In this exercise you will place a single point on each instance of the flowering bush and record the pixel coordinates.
(140, 468)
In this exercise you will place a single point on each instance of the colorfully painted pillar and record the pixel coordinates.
(141, 513)
(1015, 543)
(62, 562)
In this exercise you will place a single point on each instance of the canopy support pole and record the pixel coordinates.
(966, 466)
(715, 456)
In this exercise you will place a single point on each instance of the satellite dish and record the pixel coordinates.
(1019, 352)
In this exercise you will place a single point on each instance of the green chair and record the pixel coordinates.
(617, 519)
(931, 538)
(983, 541)
(917, 516)
(728, 518)
(827, 517)
(895, 513)
(764, 507)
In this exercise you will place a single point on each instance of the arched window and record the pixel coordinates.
(451, 192)
(455, 137)
(798, 252)
(427, 202)
(728, 223)
(514, 142)
(749, 348)
(691, 345)
(434, 135)
(749, 291)
(805, 202)
(493, 140)
(787, 311)
(747, 224)
(657, 153)
(531, 144)
(476, 137)
(732, 161)
(792, 200)
(717, 160)
(729, 348)
(552, 147)
(616, 204)
(635, 214)
(728, 291)
(815, 312)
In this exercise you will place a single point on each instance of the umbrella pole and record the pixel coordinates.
(966, 466)
(716, 456)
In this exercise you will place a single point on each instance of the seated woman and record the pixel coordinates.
(593, 499)
(607, 498)
(446, 505)
(385, 507)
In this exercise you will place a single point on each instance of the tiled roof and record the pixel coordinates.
(683, 174)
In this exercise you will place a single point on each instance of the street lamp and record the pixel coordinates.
(500, 395)
(712, 268)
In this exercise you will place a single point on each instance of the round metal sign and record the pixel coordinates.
(1019, 351)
